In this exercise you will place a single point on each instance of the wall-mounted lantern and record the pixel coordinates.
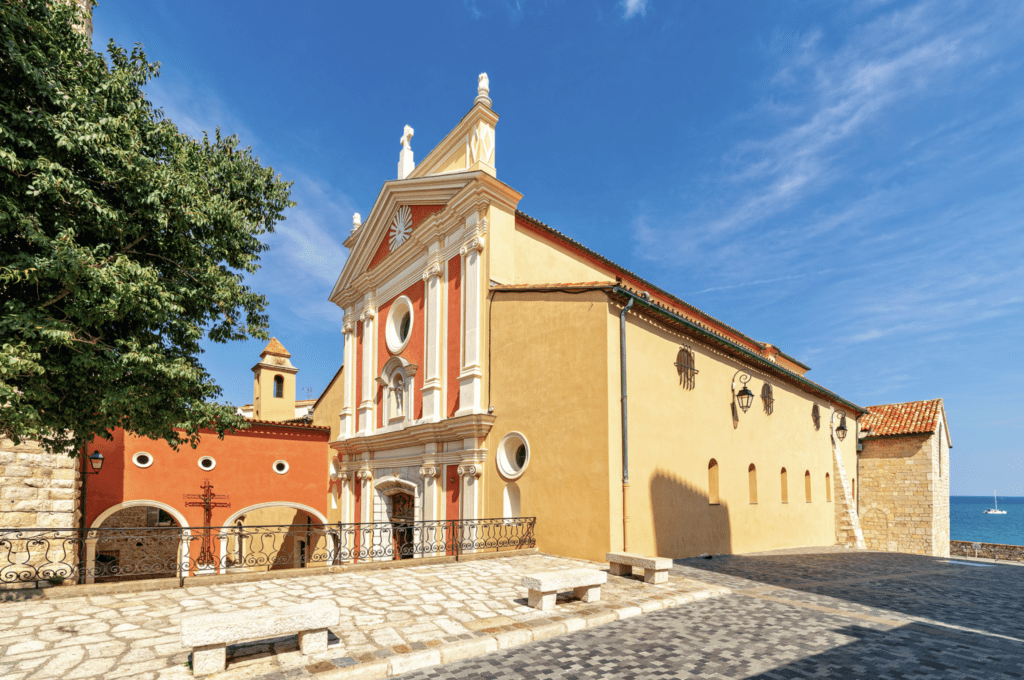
(744, 397)
(840, 431)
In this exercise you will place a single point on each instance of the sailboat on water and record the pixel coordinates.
(995, 510)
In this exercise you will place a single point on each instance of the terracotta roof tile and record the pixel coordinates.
(275, 347)
(289, 424)
(912, 417)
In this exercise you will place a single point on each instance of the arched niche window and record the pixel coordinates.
(828, 488)
(397, 389)
(278, 387)
(768, 398)
(510, 502)
(752, 481)
(713, 498)
(807, 486)
(816, 417)
(687, 368)
(785, 485)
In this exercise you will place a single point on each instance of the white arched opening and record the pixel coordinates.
(94, 537)
(511, 501)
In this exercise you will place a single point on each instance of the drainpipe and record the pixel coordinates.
(625, 429)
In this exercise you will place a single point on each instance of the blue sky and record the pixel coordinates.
(844, 180)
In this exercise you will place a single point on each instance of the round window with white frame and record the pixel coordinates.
(142, 459)
(513, 455)
(398, 328)
(207, 463)
(280, 466)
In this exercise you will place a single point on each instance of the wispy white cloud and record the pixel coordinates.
(631, 8)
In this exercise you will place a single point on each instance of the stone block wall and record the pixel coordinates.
(37, 489)
(992, 551)
(904, 495)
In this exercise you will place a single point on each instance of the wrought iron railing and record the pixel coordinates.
(61, 556)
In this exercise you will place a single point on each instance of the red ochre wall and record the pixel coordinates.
(244, 471)
(454, 358)
(413, 352)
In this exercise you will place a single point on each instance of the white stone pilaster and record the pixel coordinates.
(366, 420)
(90, 559)
(368, 495)
(471, 373)
(432, 384)
(470, 475)
(347, 414)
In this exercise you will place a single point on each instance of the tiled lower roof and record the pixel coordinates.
(912, 417)
(289, 424)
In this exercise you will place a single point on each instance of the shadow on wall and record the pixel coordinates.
(686, 523)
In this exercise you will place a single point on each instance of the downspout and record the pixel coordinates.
(625, 429)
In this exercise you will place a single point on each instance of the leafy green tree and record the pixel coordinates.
(123, 243)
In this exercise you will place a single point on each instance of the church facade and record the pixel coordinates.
(495, 368)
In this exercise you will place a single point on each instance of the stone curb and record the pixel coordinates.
(492, 640)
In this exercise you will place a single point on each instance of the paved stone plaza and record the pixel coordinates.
(799, 614)
(392, 620)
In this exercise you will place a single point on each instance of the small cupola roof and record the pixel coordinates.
(276, 348)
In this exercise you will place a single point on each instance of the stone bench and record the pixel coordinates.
(544, 587)
(655, 568)
(208, 635)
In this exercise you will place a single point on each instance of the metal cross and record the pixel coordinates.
(208, 500)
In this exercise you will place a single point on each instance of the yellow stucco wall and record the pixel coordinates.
(548, 372)
(520, 256)
(556, 369)
(675, 432)
(265, 405)
(325, 414)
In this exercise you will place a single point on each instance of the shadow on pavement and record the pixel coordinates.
(982, 597)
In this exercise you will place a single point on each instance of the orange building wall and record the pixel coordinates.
(244, 471)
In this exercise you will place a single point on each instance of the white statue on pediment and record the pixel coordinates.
(407, 136)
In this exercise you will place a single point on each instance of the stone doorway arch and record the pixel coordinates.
(136, 540)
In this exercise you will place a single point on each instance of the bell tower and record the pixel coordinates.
(273, 391)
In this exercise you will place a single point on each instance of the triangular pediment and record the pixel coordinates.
(369, 246)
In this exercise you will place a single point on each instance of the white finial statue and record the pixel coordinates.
(405, 161)
(483, 90)
(357, 220)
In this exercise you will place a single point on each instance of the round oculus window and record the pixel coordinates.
(280, 466)
(207, 463)
(513, 455)
(399, 325)
(142, 459)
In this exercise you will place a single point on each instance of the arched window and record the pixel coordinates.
(768, 397)
(828, 488)
(807, 485)
(511, 501)
(785, 486)
(816, 417)
(752, 480)
(713, 482)
(687, 368)
(278, 387)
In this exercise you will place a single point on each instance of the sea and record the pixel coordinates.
(968, 521)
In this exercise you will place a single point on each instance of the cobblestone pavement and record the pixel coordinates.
(392, 619)
(818, 613)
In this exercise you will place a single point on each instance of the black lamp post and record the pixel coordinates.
(96, 463)
(744, 397)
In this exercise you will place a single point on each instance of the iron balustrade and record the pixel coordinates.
(130, 553)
